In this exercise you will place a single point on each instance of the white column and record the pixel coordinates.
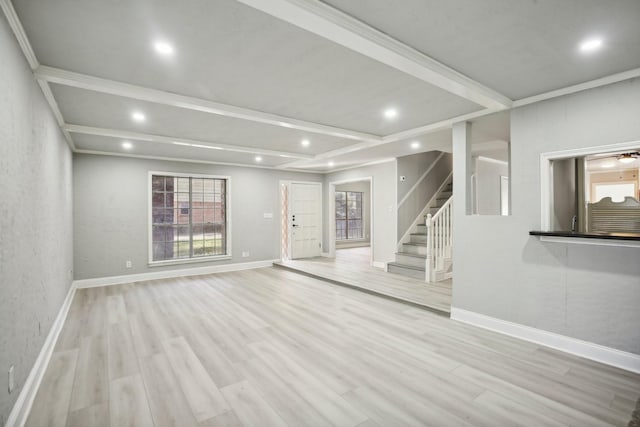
(462, 167)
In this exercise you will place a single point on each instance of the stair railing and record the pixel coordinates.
(439, 240)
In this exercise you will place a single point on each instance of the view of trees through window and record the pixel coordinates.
(349, 215)
(188, 217)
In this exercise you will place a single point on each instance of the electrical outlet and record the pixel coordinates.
(127, 264)
(245, 254)
(12, 383)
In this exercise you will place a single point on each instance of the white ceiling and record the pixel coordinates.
(519, 48)
(256, 83)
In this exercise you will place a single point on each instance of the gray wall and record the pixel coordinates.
(488, 175)
(412, 167)
(35, 218)
(586, 292)
(362, 187)
(564, 194)
(415, 201)
(111, 217)
(383, 216)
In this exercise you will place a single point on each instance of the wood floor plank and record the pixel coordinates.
(116, 309)
(144, 335)
(228, 419)
(51, 404)
(289, 404)
(91, 383)
(95, 416)
(201, 392)
(507, 411)
(235, 348)
(213, 359)
(169, 407)
(123, 361)
(555, 410)
(249, 406)
(128, 405)
(331, 405)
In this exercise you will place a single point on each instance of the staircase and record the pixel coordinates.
(427, 253)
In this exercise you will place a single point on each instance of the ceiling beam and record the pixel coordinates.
(390, 139)
(332, 24)
(122, 134)
(111, 87)
(178, 159)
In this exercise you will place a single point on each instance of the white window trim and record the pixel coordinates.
(229, 252)
(364, 225)
(546, 190)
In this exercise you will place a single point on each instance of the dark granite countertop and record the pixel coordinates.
(605, 236)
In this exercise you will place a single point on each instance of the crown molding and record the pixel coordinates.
(18, 30)
(592, 84)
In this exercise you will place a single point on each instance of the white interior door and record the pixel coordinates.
(305, 216)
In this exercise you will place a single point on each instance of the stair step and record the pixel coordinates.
(418, 238)
(406, 270)
(415, 248)
(446, 194)
(407, 258)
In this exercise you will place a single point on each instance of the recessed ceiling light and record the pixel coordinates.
(590, 45)
(258, 159)
(390, 113)
(163, 48)
(305, 143)
(415, 144)
(331, 164)
(138, 116)
(607, 165)
(127, 145)
(284, 155)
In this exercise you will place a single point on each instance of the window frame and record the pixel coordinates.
(346, 218)
(228, 253)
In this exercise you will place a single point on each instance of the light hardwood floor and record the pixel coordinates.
(351, 267)
(269, 347)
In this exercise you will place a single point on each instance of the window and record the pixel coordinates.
(349, 215)
(188, 217)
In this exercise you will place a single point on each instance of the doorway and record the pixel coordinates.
(301, 214)
(350, 218)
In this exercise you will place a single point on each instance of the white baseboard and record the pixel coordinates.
(588, 350)
(22, 407)
(326, 254)
(379, 264)
(168, 274)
